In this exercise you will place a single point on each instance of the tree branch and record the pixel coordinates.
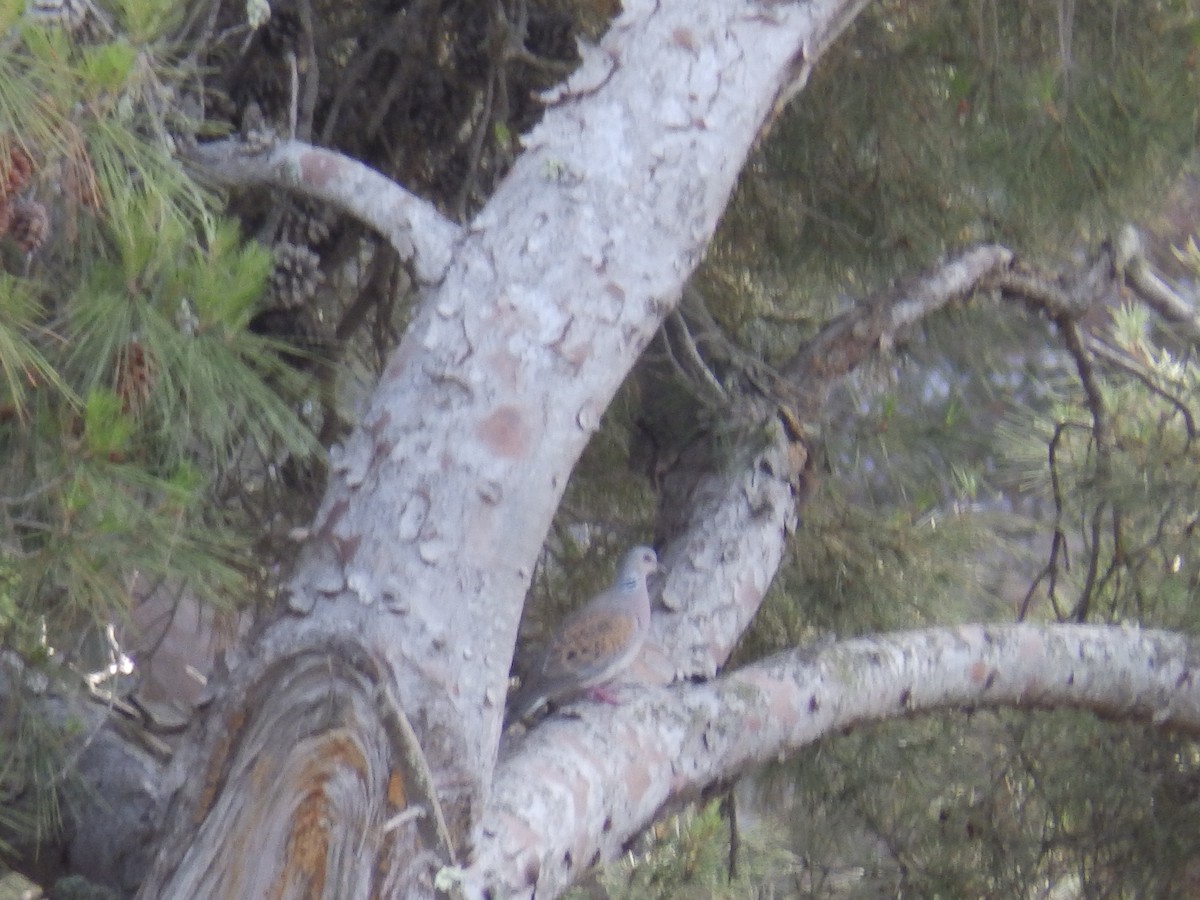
(881, 320)
(733, 520)
(574, 791)
(411, 225)
(1131, 267)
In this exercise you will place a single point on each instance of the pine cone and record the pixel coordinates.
(296, 276)
(134, 377)
(29, 225)
(15, 172)
(297, 327)
(307, 223)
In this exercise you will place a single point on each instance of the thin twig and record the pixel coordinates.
(1129, 367)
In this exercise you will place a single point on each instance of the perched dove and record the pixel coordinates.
(596, 642)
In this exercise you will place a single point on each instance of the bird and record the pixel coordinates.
(594, 644)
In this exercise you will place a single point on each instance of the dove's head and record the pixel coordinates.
(635, 566)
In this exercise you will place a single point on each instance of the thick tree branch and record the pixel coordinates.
(738, 518)
(576, 790)
(734, 519)
(880, 321)
(411, 225)
(438, 504)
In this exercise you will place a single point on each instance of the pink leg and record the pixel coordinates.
(601, 694)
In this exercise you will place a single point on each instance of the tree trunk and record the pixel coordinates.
(350, 750)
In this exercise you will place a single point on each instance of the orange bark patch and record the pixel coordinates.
(504, 432)
(308, 844)
(340, 748)
(215, 774)
(395, 791)
(317, 168)
(979, 672)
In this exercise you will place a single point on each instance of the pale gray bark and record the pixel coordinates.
(422, 552)
(411, 225)
(573, 791)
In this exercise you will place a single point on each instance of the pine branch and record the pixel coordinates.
(624, 766)
(411, 225)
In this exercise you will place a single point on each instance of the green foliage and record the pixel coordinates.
(32, 768)
(688, 857)
(161, 319)
(1120, 501)
(999, 806)
(106, 429)
(933, 125)
(859, 570)
(22, 362)
(133, 401)
(107, 67)
(143, 21)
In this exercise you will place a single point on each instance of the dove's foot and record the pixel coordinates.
(602, 694)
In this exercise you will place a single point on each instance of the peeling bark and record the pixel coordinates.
(423, 549)
(575, 791)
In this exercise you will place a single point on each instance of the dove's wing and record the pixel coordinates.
(593, 646)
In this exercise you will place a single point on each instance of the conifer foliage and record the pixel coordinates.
(130, 388)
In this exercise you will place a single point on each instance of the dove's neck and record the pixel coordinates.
(627, 584)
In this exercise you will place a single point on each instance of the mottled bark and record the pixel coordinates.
(575, 791)
(419, 559)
